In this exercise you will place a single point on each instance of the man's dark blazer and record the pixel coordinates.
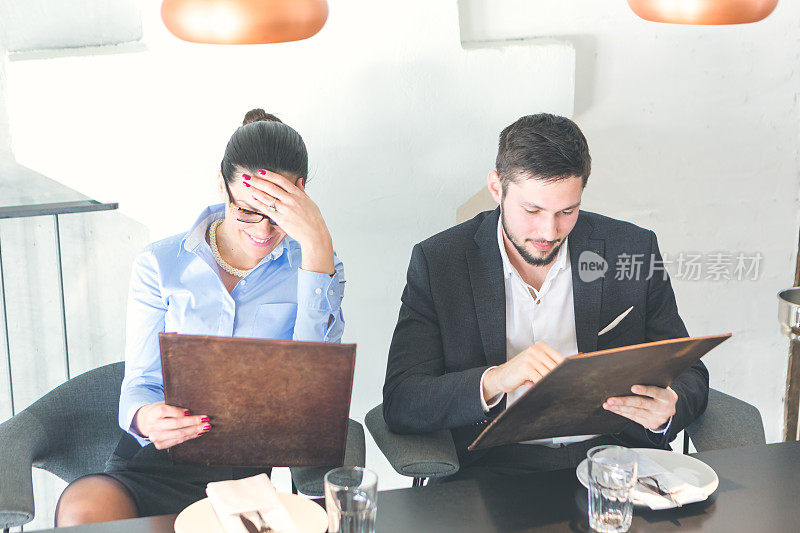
(452, 326)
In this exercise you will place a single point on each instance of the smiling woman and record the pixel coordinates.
(264, 170)
(259, 265)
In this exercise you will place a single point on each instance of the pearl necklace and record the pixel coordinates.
(212, 236)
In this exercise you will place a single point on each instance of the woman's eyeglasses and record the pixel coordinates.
(245, 215)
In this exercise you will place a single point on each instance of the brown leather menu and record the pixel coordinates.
(271, 402)
(569, 400)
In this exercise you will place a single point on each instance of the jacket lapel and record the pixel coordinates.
(488, 289)
(587, 295)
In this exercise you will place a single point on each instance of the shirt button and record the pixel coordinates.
(318, 291)
(244, 282)
(330, 293)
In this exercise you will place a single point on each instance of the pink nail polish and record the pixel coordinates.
(254, 198)
(204, 419)
(245, 176)
(186, 413)
(262, 171)
(206, 427)
(246, 184)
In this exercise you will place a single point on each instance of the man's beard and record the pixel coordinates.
(526, 255)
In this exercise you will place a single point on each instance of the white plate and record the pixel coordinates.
(200, 516)
(691, 470)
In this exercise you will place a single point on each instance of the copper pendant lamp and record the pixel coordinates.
(244, 21)
(709, 12)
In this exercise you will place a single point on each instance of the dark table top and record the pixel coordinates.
(759, 490)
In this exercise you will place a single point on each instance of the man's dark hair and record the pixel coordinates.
(544, 147)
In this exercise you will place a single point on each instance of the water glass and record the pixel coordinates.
(351, 499)
(612, 476)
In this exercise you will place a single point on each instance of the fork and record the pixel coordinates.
(654, 486)
(248, 524)
(263, 527)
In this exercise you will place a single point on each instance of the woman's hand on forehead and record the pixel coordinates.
(296, 214)
(287, 183)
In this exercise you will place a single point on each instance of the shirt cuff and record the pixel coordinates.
(133, 398)
(493, 401)
(319, 291)
(662, 431)
(142, 440)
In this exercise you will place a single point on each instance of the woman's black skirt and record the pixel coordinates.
(160, 487)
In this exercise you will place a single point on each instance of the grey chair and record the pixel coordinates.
(727, 423)
(72, 430)
(309, 480)
(69, 432)
(417, 456)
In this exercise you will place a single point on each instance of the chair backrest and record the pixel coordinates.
(727, 422)
(80, 419)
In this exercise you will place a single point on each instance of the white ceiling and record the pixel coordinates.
(27, 25)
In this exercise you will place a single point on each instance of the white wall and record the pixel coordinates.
(5, 134)
(56, 24)
(693, 132)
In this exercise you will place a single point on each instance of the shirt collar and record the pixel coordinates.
(508, 268)
(196, 236)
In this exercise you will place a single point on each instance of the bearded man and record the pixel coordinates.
(495, 303)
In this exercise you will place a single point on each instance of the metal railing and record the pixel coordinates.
(39, 210)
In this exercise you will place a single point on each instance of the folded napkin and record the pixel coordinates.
(246, 496)
(683, 492)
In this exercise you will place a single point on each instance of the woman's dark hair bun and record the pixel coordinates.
(263, 141)
(254, 115)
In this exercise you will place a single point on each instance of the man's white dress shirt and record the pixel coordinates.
(546, 315)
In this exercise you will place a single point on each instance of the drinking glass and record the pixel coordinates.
(612, 476)
(351, 500)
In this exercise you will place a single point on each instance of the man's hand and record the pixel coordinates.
(652, 407)
(167, 426)
(526, 368)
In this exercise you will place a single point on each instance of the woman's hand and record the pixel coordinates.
(296, 214)
(167, 426)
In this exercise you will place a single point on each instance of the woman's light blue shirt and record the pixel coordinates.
(176, 287)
